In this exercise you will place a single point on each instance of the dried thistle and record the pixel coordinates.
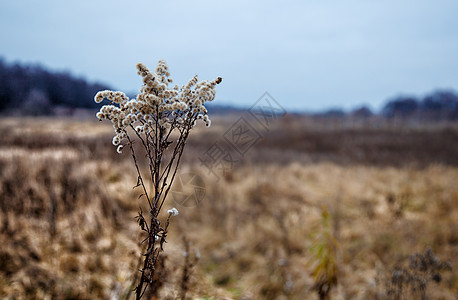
(160, 118)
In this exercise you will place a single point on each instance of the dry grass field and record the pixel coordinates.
(297, 208)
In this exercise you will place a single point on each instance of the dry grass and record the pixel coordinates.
(67, 211)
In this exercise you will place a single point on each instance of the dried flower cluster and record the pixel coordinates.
(157, 107)
(151, 118)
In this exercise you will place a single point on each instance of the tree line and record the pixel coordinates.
(33, 90)
(439, 105)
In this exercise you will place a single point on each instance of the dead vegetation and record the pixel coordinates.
(68, 231)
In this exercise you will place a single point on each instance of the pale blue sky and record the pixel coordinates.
(309, 55)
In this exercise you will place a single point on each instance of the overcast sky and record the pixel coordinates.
(308, 55)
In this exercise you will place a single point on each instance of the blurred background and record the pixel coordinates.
(346, 175)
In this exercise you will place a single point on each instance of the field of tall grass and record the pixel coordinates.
(311, 209)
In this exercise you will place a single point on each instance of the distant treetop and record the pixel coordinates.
(439, 105)
(33, 90)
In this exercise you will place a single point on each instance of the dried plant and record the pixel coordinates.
(189, 263)
(412, 281)
(159, 119)
(325, 258)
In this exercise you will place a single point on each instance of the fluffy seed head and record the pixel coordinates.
(157, 105)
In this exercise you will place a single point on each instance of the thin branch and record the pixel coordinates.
(138, 170)
(180, 154)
